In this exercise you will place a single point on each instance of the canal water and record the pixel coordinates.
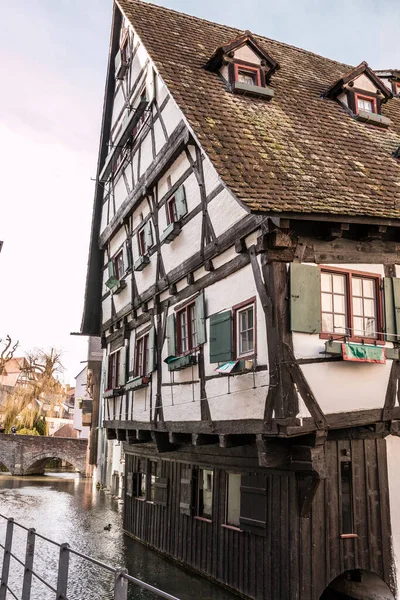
(66, 508)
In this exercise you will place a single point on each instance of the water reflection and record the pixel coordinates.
(66, 508)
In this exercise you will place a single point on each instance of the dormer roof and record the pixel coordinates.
(362, 69)
(227, 50)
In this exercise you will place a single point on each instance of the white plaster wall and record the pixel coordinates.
(211, 177)
(124, 297)
(140, 213)
(244, 399)
(176, 170)
(247, 54)
(161, 90)
(344, 386)
(182, 402)
(119, 102)
(141, 401)
(224, 212)
(120, 191)
(146, 157)
(106, 308)
(159, 136)
(104, 219)
(147, 277)
(172, 116)
(117, 241)
(364, 83)
(393, 458)
(184, 245)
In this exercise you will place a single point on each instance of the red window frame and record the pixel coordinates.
(113, 370)
(397, 88)
(171, 210)
(188, 313)
(349, 274)
(240, 67)
(365, 97)
(141, 349)
(236, 310)
(119, 269)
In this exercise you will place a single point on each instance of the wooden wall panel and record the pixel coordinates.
(298, 557)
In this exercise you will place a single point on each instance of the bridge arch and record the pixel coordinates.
(357, 585)
(5, 460)
(36, 465)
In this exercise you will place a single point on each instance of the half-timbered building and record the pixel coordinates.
(243, 274)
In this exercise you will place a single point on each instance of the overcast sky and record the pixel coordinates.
(53, 56)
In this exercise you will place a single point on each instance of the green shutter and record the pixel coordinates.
(180, 202)
(105, 373)
(111, 269)
(305, 298)
(391, 287)
(122, 366)
(151, 345)
(200, 319)
(171, 335)
(148, 235)
(221, 346)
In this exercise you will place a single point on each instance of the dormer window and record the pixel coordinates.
(246, 74)
(365, 103)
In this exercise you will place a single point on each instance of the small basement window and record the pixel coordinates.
(247, 74)
(232, 510)
(366, 103)
(113, 370)
(204, 493)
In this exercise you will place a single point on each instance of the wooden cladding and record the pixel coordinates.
(276, 554)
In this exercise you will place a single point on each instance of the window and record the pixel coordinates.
(186, 329)
(172, 215)
(397, 88)
(350, 305)
(366, 103)
(153, 477)
(119, 265)
(346, 495)
(204, 493)
(232, 512)
(142, 356)
(244, 323)
(247, 74)
(113, 370)
(125, 50)
(141, 491)
(145, 238)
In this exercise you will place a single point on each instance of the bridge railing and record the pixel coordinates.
(121, 578)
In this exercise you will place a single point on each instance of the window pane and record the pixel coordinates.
(357, 289)
(357, 306)
(340, 324)
(339, 304)
(327, 322)
(370, 328)
(326, 300)
(245, 321)
(369, 308)
(247, 77)
(358, 326)
(205, 491)
(368, 288)
(338, 284)
(233, 499)
(326, 282)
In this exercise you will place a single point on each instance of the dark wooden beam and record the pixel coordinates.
(143, 435)
(121, 435)
(233, 441)
(162, 442)
(179, 438)
(111, 433)
(201, 439)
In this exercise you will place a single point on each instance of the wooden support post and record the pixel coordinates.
(204, 439)
(29, 555)
(161, 440)
(6, 559)
(63, 567)
(121, 585)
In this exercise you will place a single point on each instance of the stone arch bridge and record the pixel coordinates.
(29, 454)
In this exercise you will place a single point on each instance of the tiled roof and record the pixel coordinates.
(298, 153)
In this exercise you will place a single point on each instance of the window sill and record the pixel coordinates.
(203, 519)
(140, 499)
(141, 262)
(171, 232)
(232, 527)
(182, 361)
(348, 536)
(137, 383)
(353, 340)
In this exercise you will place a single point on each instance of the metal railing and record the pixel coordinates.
(121, 576)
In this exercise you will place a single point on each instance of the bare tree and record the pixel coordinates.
(7, 352)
